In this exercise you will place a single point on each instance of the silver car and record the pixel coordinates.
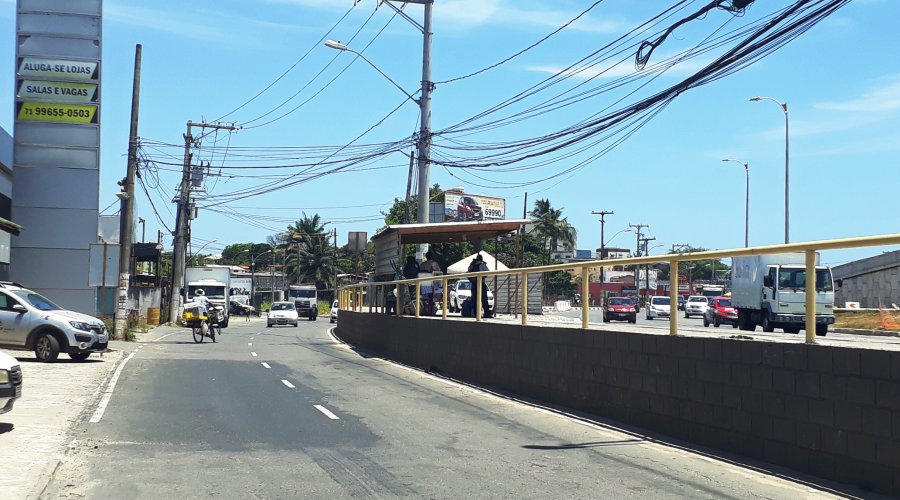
(30, 321)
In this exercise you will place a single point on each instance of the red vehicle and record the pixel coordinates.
(468, 209)
(619, 308)
(720, 311)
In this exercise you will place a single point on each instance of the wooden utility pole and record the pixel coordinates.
(126, 214)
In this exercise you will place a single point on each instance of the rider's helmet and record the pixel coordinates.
(199, 291)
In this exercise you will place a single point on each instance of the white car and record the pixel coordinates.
(659, 307)
(334, 311)
(282, 313)
(462, 290)
(10, 382)
(695, 306)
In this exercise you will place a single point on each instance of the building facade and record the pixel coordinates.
(873, 282)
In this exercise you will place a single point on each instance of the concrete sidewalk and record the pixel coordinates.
(56, 397)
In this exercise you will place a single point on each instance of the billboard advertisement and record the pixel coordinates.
(240, 289)
(462, 207)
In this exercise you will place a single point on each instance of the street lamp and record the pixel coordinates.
(423, 145)
(746, 201)
(201, 248)
(784, 107)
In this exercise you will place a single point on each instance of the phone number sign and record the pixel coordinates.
(53, 112)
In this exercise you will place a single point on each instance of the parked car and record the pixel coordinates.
(695, 306)
(634, 303)
(33, 322)
(334, 311)
(10, 382)
(468, 209)
(619, 308)
(720, 311)
(658, 307)
(282, 313)
(240, 309)
(462, 290)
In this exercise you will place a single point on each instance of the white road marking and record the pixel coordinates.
(327, 412)
(164, 336)
(266, 365)
(249, 343)
(107, 393)
(251, 338)
(253, 354)
(288, 384)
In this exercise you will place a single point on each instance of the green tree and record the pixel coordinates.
(404, 212)
(307, 251)
(552, 227)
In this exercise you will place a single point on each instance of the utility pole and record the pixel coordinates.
(127, 212)
(646, 242)
(182, 231)
(637, 273)
(423, 144)
(143, 223)
(602, 214)
(334, 264)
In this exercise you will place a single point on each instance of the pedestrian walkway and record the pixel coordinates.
(55, 397)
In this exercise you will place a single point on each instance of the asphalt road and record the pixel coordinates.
(289, 412)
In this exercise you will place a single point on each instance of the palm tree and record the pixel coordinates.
(552, 226)
(314, 258)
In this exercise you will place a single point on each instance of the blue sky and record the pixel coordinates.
(202, 59)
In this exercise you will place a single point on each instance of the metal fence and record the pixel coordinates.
(352, 296)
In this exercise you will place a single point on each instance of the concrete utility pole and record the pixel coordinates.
(646, 242)
(637, 273)
(602, 214)
(182, 231)
(126, 214)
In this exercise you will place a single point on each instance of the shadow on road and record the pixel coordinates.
(62, 360)
(576, 446)
(4, 428)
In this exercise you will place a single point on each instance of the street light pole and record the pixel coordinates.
(602, 214)
(746, 201)
(423, 144)
(787, 211)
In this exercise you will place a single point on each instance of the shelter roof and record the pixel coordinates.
(450, 232)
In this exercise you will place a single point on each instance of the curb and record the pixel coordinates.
(867, 332)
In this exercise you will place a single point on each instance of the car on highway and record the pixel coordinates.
(633, 300)
(334, 311)
(619, 308)
(658, 307)
(720, 310)
(695, 306)
(462, 290)
(29, 321)
(282, 313)
(10, 382)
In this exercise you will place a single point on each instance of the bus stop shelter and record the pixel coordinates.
(389, 242)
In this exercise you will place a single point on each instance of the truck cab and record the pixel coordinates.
(784, 296)
(305, 299)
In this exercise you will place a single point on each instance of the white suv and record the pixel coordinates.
(461, 291)
(30, 321)
(695, 306)
(10, 382)
(658, 307)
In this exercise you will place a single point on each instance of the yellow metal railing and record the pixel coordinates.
(351, 296)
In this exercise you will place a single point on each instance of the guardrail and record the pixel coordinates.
(351, 297)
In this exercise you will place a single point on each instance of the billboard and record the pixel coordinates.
(461, 207)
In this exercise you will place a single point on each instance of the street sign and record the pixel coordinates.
(57, 91)
(56, 112)
(58, 68)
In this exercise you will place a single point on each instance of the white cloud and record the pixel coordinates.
(161, 20)
(878, 100)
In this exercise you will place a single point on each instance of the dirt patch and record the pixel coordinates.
(869, 320)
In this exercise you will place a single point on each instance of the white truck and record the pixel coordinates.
(215, 282)
(770, 291)
(305, 299)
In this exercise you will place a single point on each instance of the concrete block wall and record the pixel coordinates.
(828, 411)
